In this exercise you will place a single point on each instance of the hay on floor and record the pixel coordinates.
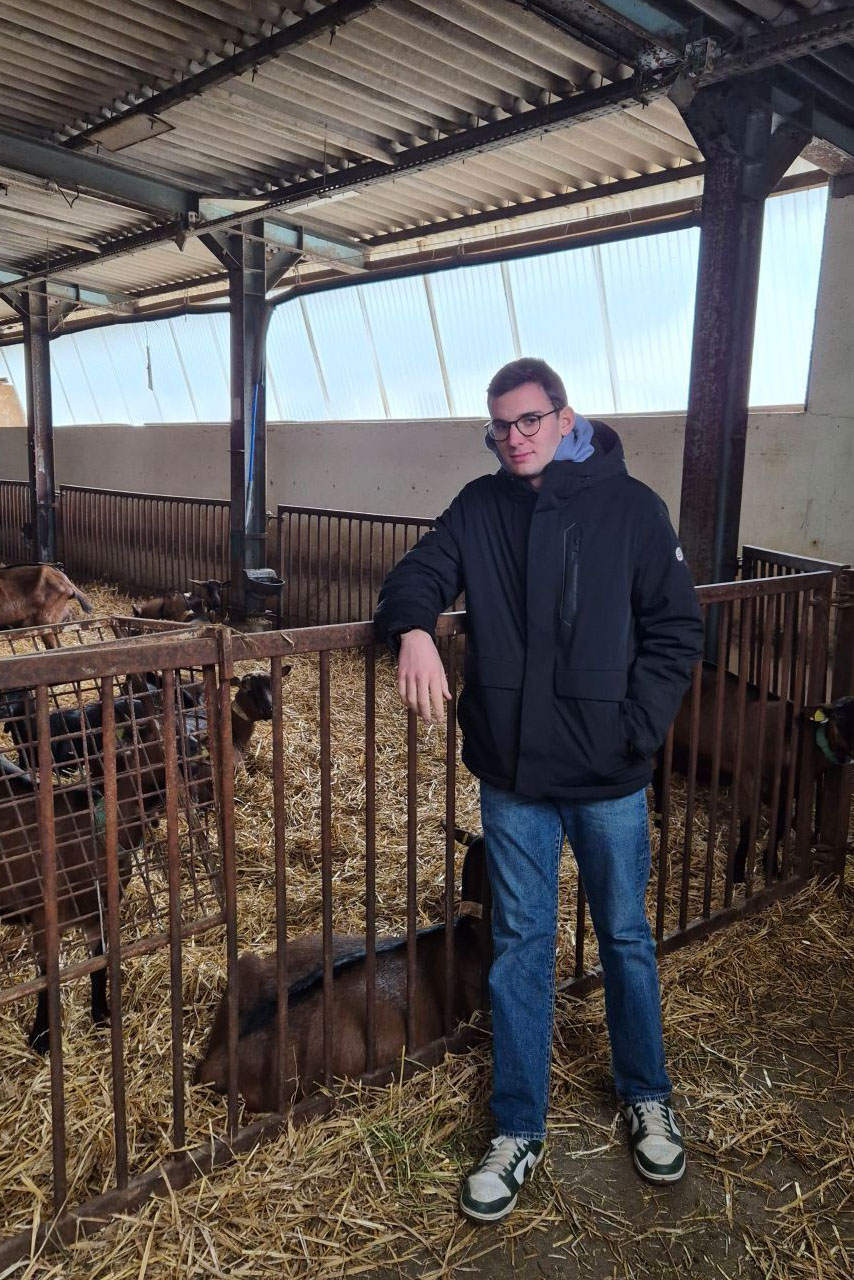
(377, 1185)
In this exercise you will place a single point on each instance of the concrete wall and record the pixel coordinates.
(799, 479)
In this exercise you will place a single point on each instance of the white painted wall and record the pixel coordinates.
(799, 477)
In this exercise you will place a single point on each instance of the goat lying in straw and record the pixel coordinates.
(258, 1067)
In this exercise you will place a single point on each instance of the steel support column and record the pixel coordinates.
(36, 318)
(249, 318)
(745, 154)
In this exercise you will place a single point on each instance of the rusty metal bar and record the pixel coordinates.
(411, 873)
(47, 839)
(370, 857)
(798, 693)
(787, 560)
(664, 838)
(690, 798)
(724, 621)
(756, 799)
(817, 619)
(450, 824)
(783, 674)
(745, 629)
(229, 870)
(281, 883)
(114, 960)
(176, 982)
(754, 588)
(130, 951)
(326, 866)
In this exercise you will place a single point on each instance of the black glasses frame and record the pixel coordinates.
(501, 430)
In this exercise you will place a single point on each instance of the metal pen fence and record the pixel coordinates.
(145, 540)
(333, 563)
(737, 782)
(14, 517)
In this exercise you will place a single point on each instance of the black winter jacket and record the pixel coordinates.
(582, 623)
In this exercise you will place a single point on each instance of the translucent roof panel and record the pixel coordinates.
(475, 332)
(347, 363)
(559, 317)
(614, 319)
(648, 312)
(398, 314)
(792, 237)
(295, 388)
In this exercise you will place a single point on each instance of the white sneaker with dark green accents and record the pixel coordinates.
(655, 1139)
(491, 1189)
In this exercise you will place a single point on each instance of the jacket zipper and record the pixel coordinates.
(569, 589)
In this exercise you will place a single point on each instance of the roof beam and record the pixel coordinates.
(299, 31)
(583, 195)
(648, 20)
(338, 253)
(78, 294)
(93, 176)
(779, 45)
(591, 24)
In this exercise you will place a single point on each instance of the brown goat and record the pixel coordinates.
(35, 595)
(80, 856)
(257, 1003)
(840, 729)
(252, 702)
(175, 606)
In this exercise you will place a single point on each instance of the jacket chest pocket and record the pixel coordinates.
(571, 566)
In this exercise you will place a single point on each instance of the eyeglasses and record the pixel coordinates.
(528, 424)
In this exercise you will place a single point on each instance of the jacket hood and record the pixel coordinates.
(562, 477)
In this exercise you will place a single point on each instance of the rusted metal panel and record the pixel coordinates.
(698, 900)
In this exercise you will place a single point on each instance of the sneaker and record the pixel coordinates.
(491, 1189)
(656, 1141)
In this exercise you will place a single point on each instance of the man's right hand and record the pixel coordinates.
(421, 680)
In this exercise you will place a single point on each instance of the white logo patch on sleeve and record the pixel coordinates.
(679, 555)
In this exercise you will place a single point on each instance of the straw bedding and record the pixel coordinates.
(758, 1022)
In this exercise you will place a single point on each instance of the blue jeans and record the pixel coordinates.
(610, 840)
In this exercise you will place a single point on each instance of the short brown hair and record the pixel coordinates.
(528, 369)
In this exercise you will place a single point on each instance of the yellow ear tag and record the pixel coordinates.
(819, 717)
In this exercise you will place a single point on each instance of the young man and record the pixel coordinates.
(582, 631)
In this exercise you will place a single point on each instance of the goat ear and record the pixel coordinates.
(286, 671)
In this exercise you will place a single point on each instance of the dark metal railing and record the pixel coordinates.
(14, 516)
(333, 563)
(144, 540)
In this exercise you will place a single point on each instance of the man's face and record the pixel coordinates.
(528, 456)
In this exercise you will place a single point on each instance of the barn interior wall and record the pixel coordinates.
(799, 480)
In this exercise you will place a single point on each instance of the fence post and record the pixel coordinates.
(838, 783)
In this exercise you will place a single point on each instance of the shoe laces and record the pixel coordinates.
(505, 1151)
(654, 1119)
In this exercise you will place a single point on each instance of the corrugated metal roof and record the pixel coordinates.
(403, 73)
